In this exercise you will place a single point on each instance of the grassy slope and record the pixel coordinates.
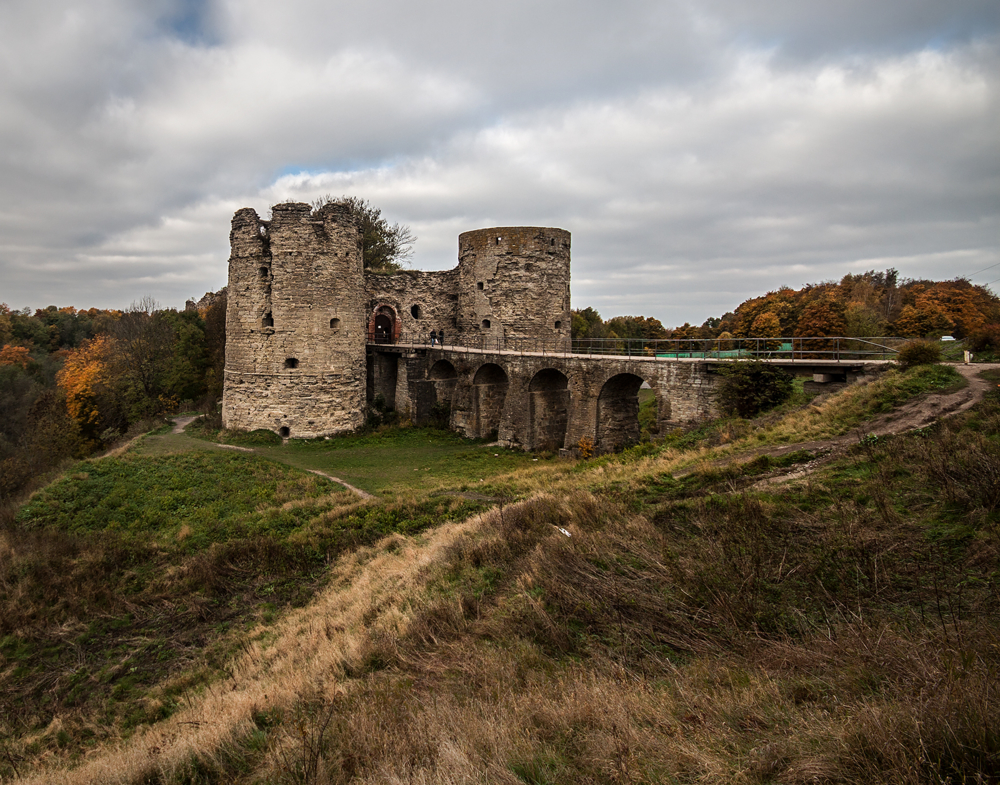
(394, 461)
(689, 630)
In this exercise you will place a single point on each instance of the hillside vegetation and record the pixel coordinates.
(693, 610)
(871, 304)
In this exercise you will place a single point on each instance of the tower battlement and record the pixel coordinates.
(301, 310)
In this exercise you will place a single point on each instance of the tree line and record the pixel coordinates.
(74, 381)
(866, 305)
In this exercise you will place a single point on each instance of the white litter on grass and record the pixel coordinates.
(560, 528)
(534, 459)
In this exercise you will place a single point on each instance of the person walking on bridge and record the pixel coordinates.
(433, 337)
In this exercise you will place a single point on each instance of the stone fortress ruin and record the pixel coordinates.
(313, 338)
(302, 314)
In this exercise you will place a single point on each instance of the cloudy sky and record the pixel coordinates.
(700, 151)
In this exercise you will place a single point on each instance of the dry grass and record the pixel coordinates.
(573, 667)
(846, 632)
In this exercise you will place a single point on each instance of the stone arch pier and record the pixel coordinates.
(537, 402)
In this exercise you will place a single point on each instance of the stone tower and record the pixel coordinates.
(295, 338)
(514, 283)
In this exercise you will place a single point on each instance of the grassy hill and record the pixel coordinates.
(726, 605)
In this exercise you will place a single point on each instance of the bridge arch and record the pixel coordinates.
(618, 412)
(444, 378)
(548, 409)
(489, 393)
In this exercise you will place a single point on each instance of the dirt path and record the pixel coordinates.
(358, 491)
(918, 413)
(180, 423)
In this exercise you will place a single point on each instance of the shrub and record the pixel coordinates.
(261, 437)
(985, 339)
(919, 353)
(380, 414)
(751, 387)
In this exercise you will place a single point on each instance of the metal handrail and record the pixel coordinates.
(835, 348)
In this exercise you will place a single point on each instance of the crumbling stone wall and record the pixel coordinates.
(547, 402)
(535, 402)
(301, 311)
(514, 282)
(423, 301)
(618, 412)
(295, 348)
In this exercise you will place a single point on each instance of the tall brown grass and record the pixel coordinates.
(845, 630)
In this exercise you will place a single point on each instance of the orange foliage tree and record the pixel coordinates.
(79, 379)
(823, 316)
(5, 324)
(15, 355)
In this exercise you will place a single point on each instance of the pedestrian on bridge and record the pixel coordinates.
(433, 337)
(441, 337)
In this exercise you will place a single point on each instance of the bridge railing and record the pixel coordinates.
(836, 348)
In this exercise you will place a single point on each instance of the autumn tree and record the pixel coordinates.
(36, 433)
(927, 319)
(747, 388)
(5, 333)
(184, 372)
(215, 345)
(823, 316)
(81, 379)
(139, 354)
(635, 327)
(15, 355)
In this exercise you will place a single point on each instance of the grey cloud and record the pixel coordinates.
(699, 153)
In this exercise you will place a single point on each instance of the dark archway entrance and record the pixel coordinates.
(618, 412)
(489, 392)
(548, 397)
(384, 325)
(383, 328)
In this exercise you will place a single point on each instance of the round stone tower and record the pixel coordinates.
(295, 332)
(514, 283)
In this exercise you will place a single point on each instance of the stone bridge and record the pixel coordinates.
(553, 401)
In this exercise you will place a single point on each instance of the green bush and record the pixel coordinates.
(257, 438)
(915, 353)
(379, 414)
(751, 387)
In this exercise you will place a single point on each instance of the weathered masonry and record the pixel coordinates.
(312, 338)
(302, 312)
(539, 402)
(553, 401)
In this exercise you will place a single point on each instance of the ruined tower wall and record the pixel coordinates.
(248, 291)
(295, 354)
(514, 282)
(423, 301)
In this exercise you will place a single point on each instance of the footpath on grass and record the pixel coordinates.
(418, 460)
(365, 468)
(920, 412)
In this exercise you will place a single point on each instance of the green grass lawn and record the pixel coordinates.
(416, 458)
(421, 459)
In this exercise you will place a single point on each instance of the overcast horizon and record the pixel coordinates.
(700, 153)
